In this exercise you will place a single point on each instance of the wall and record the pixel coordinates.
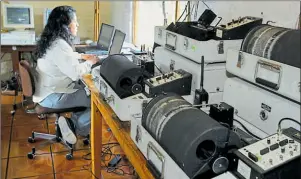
(284, 13)
(122, 17)
(149, 15)
(85, 15)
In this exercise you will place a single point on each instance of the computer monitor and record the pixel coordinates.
(47, 12)
(105, 35)
(117, 42)
(18, 16)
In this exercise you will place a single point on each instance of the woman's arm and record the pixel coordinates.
(67, 61)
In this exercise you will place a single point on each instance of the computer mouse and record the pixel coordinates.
(88, 42)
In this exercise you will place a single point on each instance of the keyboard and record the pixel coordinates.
(92, 50)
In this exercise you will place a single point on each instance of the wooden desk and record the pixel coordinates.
(16, 51)
(101, 112)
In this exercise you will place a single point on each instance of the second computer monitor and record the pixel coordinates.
(117, 42)
(105, 35)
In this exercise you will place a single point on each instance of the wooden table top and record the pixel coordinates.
(120, 130)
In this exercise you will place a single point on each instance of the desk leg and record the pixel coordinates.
(96, 139)
(15, 55)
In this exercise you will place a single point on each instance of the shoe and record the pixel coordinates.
(66, 131)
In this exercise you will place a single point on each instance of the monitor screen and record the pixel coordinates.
(18, 15)
(105, 36)
(46, 15)
(117, 42)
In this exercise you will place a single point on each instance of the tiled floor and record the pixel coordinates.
(50, 161)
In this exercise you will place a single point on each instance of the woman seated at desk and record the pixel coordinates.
(58, 70)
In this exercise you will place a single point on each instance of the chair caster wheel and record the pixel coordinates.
(86, 142)
(31, 155)
(12, 112)
(42, 116)
(31, 140)
(69, 156)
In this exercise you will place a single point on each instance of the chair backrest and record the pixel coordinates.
(27, 78)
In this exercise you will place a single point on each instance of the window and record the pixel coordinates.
(148, 15)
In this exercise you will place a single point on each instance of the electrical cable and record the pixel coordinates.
(159, 69)
(196, 11)
(206, 4)
(247, 129)
(106, 151)
(228, 133)
(3, 55)
(164, 13)
(188, 14)
(287, 119)
(183, 12)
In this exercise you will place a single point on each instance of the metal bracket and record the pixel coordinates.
(270, 67)
(172, 65)
(185, 43)
(138, 134)
(110, 99)
(160, 33)
(150, 146)
(240, 59)
(220, 47)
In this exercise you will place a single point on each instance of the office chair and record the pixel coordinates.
(27, 82)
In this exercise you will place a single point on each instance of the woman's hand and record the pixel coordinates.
(91, 58)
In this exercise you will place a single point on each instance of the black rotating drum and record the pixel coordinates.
(274, 43)
(194, 140)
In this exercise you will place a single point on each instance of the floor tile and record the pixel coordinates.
(24, 167)
(23, 132)
(49, 176)
(22, 119)
(111, 175)
(4, 148)
(51, 119)
(61, 164)
(3, 168)
(6, 119)
(82, 174)
(57, 147)
(20, 148)
(5, 133)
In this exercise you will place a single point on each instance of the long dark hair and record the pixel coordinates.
(56, 27)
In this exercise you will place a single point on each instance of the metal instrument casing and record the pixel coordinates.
(212, 50)
(258, 109)
(214, 73)
(124, 108)
(276, 77)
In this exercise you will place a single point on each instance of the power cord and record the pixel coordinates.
(106, 151)
(287, 119)
(243, 126)
(159, 69)
(183, 11)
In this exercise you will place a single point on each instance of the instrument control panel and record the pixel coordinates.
(237, 29)
(238, 22)
(178, 81)
(165, 78)
(270, 154)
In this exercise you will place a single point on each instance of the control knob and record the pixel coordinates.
(271, 161)
(282, 149)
